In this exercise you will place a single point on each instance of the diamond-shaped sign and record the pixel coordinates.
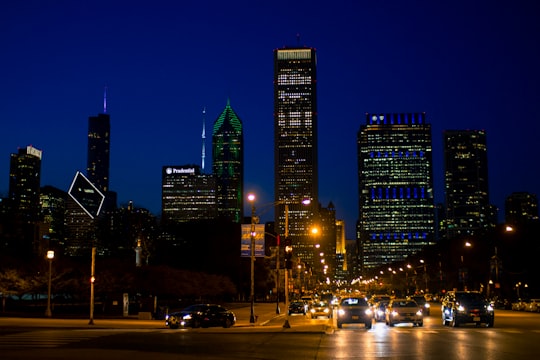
(89, 198)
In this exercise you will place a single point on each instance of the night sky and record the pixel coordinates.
(467, 64)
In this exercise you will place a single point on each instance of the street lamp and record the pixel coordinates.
(50, 257)
(286, 324)
(251, 199)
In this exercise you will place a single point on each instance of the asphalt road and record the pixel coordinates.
(515, 336)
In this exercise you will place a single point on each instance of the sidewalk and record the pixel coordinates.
(266, 320)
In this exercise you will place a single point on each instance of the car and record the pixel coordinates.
(379, 310)
(401, 311)
(297, 307)
(424, 304)
(320, 308)
(534, 305)
(464, 307)
(377, 298)
(354, 310)
(201, 315)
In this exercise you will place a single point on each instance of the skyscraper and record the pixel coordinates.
(395, 187)
(228, 164)
(295, 144)
(187, 195)
(521, 208)
(97, 170)
(468, 210)
(24, 182)
(23, 207)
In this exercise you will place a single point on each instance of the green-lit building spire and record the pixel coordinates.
(228, 164)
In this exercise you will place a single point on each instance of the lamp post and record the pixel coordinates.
(277, 274)
(288, 248)
(92, 280)
(251, 199)
(50, 257)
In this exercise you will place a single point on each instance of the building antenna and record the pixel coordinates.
(203, 137)
(105, 100)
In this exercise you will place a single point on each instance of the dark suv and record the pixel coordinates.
(463, 307)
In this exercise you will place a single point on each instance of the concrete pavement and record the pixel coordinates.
(266, 319)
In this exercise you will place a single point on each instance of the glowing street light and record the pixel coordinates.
(50, 257)
(251, 199)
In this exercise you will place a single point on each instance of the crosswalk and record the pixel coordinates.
(49, 338)
(44, 338)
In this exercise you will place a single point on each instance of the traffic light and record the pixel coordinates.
(288, 253)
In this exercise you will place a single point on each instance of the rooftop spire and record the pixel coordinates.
(203, 137)
(105, 100)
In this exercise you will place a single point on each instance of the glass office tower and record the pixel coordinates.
(99, 132)
(295, 145)
(468, 211)
(228, 165)
(186, 194)
(396, 205)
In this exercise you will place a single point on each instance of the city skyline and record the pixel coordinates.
(467, 66)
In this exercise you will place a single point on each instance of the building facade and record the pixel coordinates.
(295, 146)
(395, 187)
(468, 211)
(228, 164)
(521, 208)
(98, 154)
(24, 182)
(187, 195)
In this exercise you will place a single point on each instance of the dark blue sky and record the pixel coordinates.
(467, 64)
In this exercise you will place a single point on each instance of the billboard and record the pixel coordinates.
(89, 198)
(245, 249)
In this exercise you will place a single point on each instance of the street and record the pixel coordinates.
(515, 336)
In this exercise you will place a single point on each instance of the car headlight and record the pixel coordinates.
(326, 310)
(490, 307)
(167, 317)
(460, 308)
(312, 310)
(341, 312)
(187, 317)
(427, 305)
(419, 313)
(394, 313)
(369, 312)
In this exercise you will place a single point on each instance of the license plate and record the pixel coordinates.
(355, 317)
(476, 318)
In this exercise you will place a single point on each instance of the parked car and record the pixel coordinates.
(354, 310)
(534, 305)
(320, 308)
(297, 307)
(462, 307)
(201, 315)
(424, 304)
(404, 311)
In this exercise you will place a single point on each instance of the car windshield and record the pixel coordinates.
(470, 297)
(195, 308)
(419, 299)
(404, 304)
(354, 302)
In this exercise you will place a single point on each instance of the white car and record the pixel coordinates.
(404, 311)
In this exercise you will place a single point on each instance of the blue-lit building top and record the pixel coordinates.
(396, 202)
